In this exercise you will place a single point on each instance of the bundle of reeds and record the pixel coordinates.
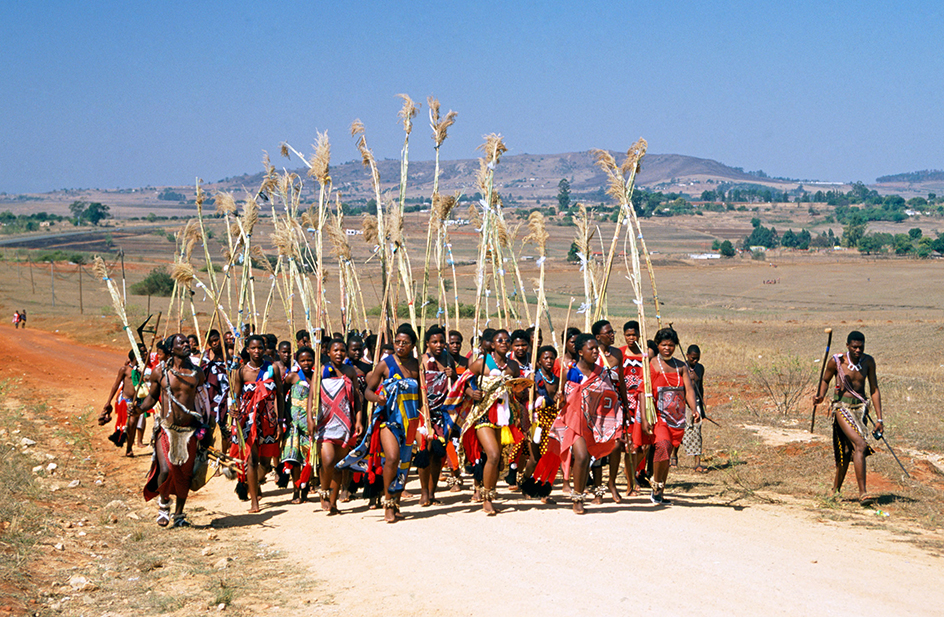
(583, 239)
(492, 150)
(621, 182)
(439, 209)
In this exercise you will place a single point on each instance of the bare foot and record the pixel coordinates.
(296, 497)
(578, 508)
(597, 500)
(254, 509)
(424, 499)
(325, 505)
(129, 454)
(390, 515)
(547, 500)
(333, 511)
(489, 509)
(614, 493)
(632, 493)
(455, 488)
(477, 496)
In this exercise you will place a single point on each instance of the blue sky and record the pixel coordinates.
(106, 95)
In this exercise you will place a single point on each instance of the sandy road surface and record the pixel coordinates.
(697, 556)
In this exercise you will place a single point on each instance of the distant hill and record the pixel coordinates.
(534, 176)
(926, 175)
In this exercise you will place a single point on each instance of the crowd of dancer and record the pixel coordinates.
(511, 408)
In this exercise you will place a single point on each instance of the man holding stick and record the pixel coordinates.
(850, 409)
(181, 427)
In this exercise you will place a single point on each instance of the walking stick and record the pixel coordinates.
(881, 435)
(822, 369)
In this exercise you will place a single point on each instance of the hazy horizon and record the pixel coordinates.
(124, 96)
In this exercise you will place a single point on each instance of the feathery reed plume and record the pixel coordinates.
(283, 150)
(407, 112)
(259, 255)
(183, 273)
(634, 157)
(284, 243)
(537, 232)
(439, 125)
(474, 217)
(271, 178)
(250, 214)
(445, 204)
(369, 226)
(319, 164)
(225, 204)
(191, 236)
(338, 239)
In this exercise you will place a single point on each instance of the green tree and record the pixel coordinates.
(572, 253)
(727, 249)
(716, 245)
(915, 233)
(96, 213)
(853, 232)
(77, 208)
(903, 244)
(563, 193)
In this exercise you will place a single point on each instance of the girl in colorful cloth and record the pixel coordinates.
(591, 420)
(672, 390)
(393, 387)
(438, 371)
(297, 443)
(256, 425)
(337, 422)
(494, 385)
(546, 385)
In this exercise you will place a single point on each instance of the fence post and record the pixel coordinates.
(81, 306)
(52, 280)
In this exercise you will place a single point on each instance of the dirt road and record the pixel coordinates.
(697, 556)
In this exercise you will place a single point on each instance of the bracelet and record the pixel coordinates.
(879, 420)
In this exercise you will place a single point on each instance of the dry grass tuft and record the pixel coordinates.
(283, 150)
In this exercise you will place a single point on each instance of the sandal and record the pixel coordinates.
(701, 469)
(180, 520)
(163, 513)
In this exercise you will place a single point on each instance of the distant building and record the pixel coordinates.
(704, 256)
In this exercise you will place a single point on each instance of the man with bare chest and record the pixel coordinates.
(850, 409)
(181, 424)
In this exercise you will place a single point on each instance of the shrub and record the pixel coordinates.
(156, 283)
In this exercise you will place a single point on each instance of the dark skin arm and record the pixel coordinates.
(106, 409)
